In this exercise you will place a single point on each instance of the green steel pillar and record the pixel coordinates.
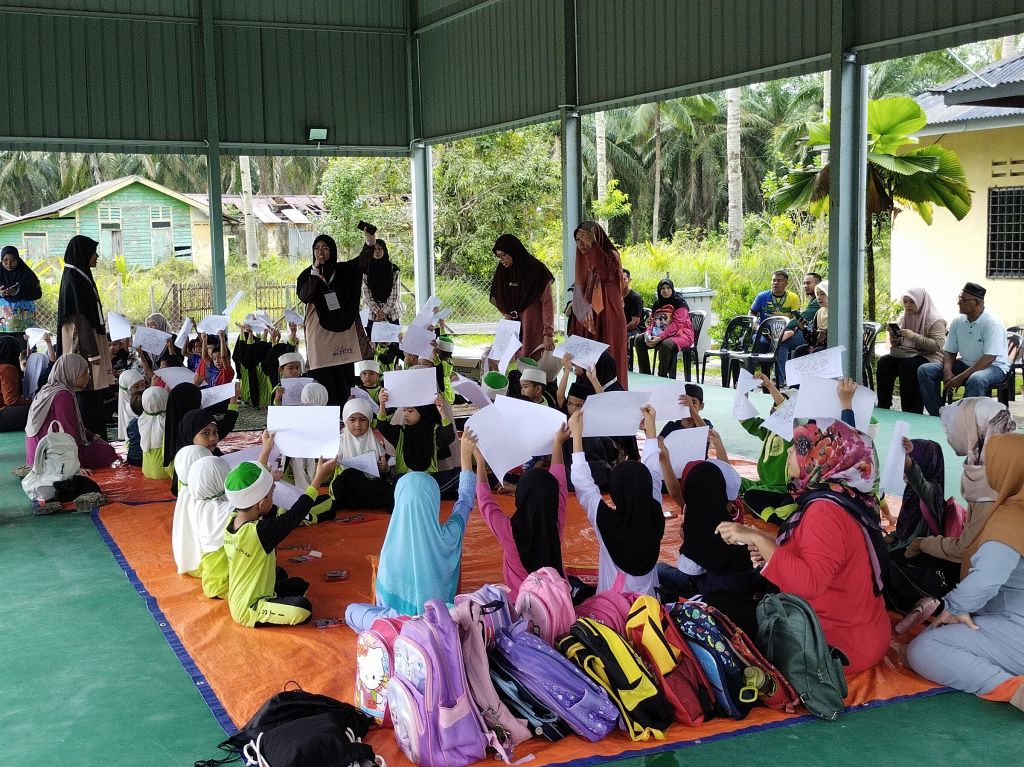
(213, 157)
(847, 192)
(422, 222)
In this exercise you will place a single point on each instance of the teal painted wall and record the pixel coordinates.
(136, 203)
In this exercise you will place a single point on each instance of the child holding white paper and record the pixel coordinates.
(151, 432)
(215, 363)
(421, 440)
(369, 372)
(629, 535)
(532, 383)
(387, 356)
(352, 488)
(289, 365)
(601, 453)
(200, 426)
(693, 400)
(251, 350)
(768, 494)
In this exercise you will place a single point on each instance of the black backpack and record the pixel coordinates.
(295, 728)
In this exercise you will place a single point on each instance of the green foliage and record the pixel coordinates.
(615, 204)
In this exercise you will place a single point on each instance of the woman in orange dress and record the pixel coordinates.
(597, 293)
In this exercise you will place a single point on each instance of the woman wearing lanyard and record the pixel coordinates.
(81, 329)
(335, 340)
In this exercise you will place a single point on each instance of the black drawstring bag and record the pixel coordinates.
(71, 488)
(295, 728)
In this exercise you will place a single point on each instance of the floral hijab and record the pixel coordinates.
(837, 464)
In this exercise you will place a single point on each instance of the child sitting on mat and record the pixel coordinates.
(352, 488)
(423, 437)
(289, 365)
(259, 592)
(133, 438)
(369, 378)
(420, 558)
(151, 432)
(532, 537)
(206, 516)
(181, 531)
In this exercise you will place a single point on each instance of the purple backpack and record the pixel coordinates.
(436, 722)
(555, 682)
(497, 611)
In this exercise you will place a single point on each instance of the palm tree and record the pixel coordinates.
(914, 178)
(734, 170)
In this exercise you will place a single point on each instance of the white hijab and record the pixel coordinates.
(151, 422)
(125, 414)
(184, 539)
(314, 394)
(208, 508)
(351, 446)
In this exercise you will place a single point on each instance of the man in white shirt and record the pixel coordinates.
(974, 356)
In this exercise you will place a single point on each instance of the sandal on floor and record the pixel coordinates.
(922, 611)
(86, 502)
(22, 471)
(44, 509)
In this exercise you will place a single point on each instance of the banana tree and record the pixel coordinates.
(900, 175)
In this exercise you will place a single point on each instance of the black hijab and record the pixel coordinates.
(183, 398)
(10, 353)
(193, 423)
(676, 301)
(535, 523)
(632, 531)
(607, 372)
(22, 278)
(248, 358)
(519, 286)
(380, 272)
(707, 507)
(911, 523)
(271, 365)
(342, 279)
(418, 441)
(78, 291)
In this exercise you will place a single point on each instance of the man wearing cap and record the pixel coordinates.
(975, 354)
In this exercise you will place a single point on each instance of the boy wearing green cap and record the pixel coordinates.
(260, 593)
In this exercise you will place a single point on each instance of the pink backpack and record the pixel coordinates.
(470, 617)
(611, 607)
(497, 611)
(545, 601)
(375, 649)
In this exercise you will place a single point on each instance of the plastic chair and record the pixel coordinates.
(737, 338)
(1017, 360)
(870, 331)
(768, 334)
(689, 353)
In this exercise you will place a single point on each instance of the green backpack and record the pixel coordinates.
(790, 636)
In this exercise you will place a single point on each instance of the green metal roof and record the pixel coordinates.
(128, 75)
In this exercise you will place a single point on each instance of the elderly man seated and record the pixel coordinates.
(974, 356)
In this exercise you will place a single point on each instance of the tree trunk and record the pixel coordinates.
(680, 194)
(251, 241)
(602, 161)
(1009, 47)
(656, 204)
(735, 171)
(869, 265)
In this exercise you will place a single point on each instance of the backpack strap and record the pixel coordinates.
(58, 424)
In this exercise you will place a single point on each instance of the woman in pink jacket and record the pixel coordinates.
(56, 402)
(668, 331)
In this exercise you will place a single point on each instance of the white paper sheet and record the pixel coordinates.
(441, 315)
(35, 336)
(257, 323)
(305, 432)
(891, 479)
(781, 421)
(213, 324)
(503, 454)
(827, 363)
(742, 407)
(584, 351)
(425, 316)
(510, 351)
(293, 390)
(819, 398)
(184, 333)
(151, 340)
(173, 376)
(685, 445)
(506, 332)
(215, 394)
(364, 317)
(613, 413)
(286, 495)
(411, 388)
(233, 303)
(385, 333)
(118, 326)
(419, 341)
(665, 400)
(290, 315)
(366, 462)
(471, 390)
(528, 424)
(358, 393)
(253, 454)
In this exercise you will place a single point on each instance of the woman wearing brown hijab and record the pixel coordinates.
(976, 644)
(597, 293)
(521, 290)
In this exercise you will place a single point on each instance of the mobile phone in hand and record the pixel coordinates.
(894, 330)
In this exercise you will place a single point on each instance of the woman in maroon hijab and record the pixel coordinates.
(597, 294)
(521, 290)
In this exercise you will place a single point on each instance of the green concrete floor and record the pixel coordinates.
(86, 677)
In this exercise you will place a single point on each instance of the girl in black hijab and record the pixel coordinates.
(184, 400)
(81, 327)
(380, 282)
(335, 341)
(19, 290)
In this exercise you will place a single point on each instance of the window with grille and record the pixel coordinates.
(109, 215)
(1005, 255)
(160, 213)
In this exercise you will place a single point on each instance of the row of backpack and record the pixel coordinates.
(490, 674)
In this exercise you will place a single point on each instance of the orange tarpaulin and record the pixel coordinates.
(239, 668)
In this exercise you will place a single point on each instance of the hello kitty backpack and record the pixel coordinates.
(375, 658)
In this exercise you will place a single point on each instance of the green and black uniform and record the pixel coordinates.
(768, 493)
(259, 592)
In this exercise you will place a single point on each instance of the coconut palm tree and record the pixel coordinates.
(899, 176)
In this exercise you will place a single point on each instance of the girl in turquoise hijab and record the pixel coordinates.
(420, 558)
